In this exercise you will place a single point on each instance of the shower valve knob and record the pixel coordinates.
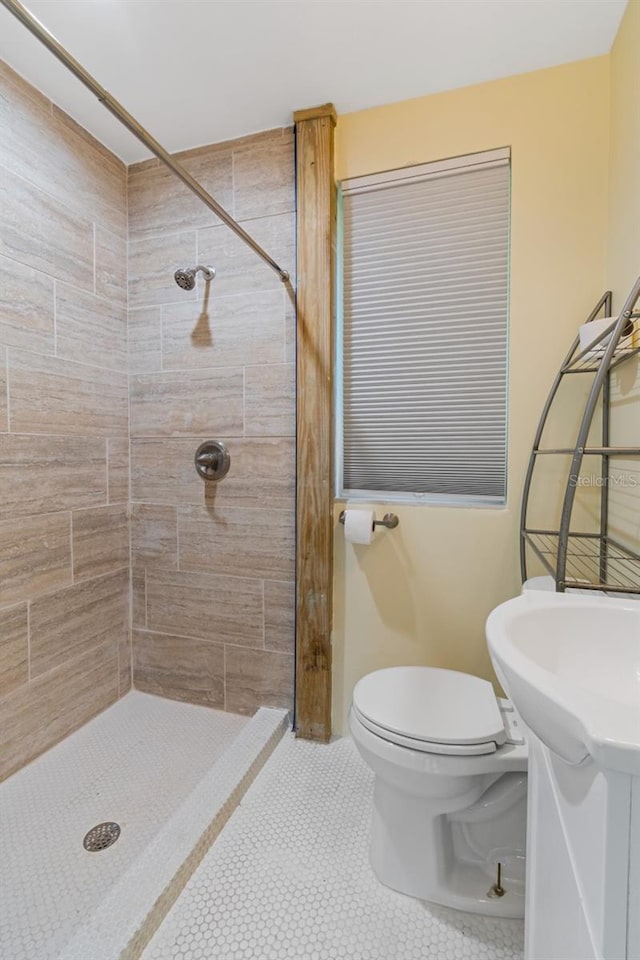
(212, 460)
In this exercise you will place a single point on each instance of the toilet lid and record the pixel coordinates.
(432, 705)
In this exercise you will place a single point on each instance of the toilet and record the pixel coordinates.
(450, 789)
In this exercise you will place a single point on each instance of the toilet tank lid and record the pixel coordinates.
(431, 704)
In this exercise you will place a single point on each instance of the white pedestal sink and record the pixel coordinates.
(571, 665)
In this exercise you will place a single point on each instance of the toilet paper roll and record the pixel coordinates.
(358, 525)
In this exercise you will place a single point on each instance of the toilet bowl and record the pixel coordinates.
(450, 787)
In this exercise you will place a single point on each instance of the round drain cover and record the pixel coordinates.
(101, 836)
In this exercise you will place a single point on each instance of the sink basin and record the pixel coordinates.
(571, 666)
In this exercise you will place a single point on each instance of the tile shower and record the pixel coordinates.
(213, 565)
(64, 539)
(114, 572)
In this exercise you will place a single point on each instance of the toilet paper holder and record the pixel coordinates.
(390, 520)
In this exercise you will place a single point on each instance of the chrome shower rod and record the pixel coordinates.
(38, 30)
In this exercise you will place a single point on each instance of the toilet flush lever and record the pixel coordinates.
(497, 890)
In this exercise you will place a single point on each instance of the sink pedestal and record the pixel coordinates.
(583, 860)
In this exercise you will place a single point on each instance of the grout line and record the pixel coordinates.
(79, 363)
(128, 443)
(176, 505)
(28, 640)
(224, 676)
(146, 592)
(113, 301)
(55, 318)
(73, 575)
(264, 618)
(284, 324)
(244, 402)
(193, 636)
(107, 463)
(94, 258)
(161, 311)
(7, 388)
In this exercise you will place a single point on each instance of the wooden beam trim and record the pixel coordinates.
(315, 113)
(316, 233)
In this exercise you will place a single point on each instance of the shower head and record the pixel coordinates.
(186, 278)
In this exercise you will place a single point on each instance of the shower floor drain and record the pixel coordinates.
(101, 836)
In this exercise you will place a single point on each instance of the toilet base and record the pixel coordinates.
(432, 856)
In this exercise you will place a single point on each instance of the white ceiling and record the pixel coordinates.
(200, 71)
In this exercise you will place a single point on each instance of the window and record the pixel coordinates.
(422, 348)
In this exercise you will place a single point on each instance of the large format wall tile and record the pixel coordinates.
(44, 474)
(138, 595)
(224, 609)
(279, 615)
(152, 264)
(100, 541)
(94, 180)
(182, 668)
(145, 340)
(42, 142)
(26, 307)
(36, 555)
(90, 329)
(198, 361)
(160, 203)
(125, 663)
(73, 621)
(14, 647)
(257, 677)
(262, 473)
(240, 543)
(270, 395)
(37, 715)
(245, 328)
(39, 231)
(263, 177)
(238, 268)
(4, 397)
(154, 535)
(49, 395)
(118, 469)
(187, 404)
(110, 265)
(64, 424)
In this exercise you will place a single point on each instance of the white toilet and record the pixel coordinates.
(450, 787)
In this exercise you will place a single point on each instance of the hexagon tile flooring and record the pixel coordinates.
(289, 879)
(135, 763)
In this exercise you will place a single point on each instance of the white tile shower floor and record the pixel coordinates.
(135, 764)
(289, 879)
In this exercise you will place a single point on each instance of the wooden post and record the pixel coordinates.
(316, 218)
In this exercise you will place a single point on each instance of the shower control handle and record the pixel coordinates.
(212, 460)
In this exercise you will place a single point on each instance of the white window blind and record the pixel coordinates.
(422, 412)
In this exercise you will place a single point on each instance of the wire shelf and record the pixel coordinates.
(588, 361)
(593, 562)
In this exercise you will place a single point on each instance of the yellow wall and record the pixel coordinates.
(623, 260)
(420, 594)
(623, 247)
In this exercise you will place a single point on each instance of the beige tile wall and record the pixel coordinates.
(84, 382)
(64, 471)
(213, 566)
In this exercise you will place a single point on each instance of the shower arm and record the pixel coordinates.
(38, 30)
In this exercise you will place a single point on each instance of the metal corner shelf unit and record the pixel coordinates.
(588, 561)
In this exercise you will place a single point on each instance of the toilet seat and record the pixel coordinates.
(431, 710)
